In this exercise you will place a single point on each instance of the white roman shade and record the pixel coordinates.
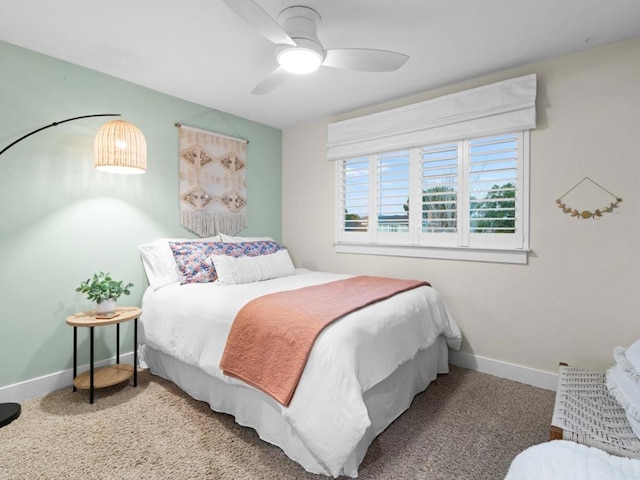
(497, 108)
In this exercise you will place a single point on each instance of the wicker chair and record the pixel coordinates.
(586, 413)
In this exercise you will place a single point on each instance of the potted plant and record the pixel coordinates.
(104, 291)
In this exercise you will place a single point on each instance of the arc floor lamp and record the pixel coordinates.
(119, 147)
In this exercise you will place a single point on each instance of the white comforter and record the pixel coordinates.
(191, 323)
(565, 460)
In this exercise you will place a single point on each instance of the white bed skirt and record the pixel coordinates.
(385, 401)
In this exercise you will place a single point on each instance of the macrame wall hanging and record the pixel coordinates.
(609, 198)
(213, 182)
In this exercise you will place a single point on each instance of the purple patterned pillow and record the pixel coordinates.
(192, 258)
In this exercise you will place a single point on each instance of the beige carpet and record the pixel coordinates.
(466, 425)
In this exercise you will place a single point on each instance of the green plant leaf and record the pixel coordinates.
(102, 287)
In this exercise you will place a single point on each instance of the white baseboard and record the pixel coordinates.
(52, 382)
(510, 371)
(55, 381)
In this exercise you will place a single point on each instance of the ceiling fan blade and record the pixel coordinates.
(363, 59)
(273, 80)
(260, 20)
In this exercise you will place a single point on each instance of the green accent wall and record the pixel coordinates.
(61, 220)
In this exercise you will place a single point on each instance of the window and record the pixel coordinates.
(469, 194)
(445, 178)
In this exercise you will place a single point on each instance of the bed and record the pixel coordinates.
(362, 372)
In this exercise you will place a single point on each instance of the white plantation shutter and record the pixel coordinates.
(440, 188)
(493, 174)
(495, 191)
(354, 198)
(393, 184)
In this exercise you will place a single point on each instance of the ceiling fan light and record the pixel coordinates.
(299, 60)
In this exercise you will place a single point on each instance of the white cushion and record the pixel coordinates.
(622, 357)
(246, 269)
(159, 263)
(627, 393)
(633, 355)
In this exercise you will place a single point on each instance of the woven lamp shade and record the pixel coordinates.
(120, 147)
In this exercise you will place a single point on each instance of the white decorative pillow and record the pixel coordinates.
(246, 269)
(229, 239)
(622, 357)
(633, 355)
(627, 393)
(159, 263)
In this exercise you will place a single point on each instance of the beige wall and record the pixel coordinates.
(579, 295)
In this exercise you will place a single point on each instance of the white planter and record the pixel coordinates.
(106, 306)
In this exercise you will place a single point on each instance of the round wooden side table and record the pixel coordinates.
(111, 374)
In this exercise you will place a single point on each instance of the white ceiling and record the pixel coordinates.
(198, 50)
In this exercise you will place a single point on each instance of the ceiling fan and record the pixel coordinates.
(298, 49)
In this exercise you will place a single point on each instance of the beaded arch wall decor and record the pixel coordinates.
(584, 214)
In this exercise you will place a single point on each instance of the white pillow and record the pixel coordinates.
(633, 355)
(237, 270)
(623, 357)
(229, 239)
(627, 394)
(158, 261)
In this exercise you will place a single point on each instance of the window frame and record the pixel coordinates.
(463, 245)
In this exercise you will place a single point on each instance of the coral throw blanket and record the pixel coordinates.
(272, 336)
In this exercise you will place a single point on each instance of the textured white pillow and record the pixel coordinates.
(627, 393)
(623, 382)
(623, 357)
(229, 239)
(158, 261)
(237, 270)
(632, 355)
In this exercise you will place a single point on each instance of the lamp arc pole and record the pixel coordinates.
(10, 411)
(55, 124)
